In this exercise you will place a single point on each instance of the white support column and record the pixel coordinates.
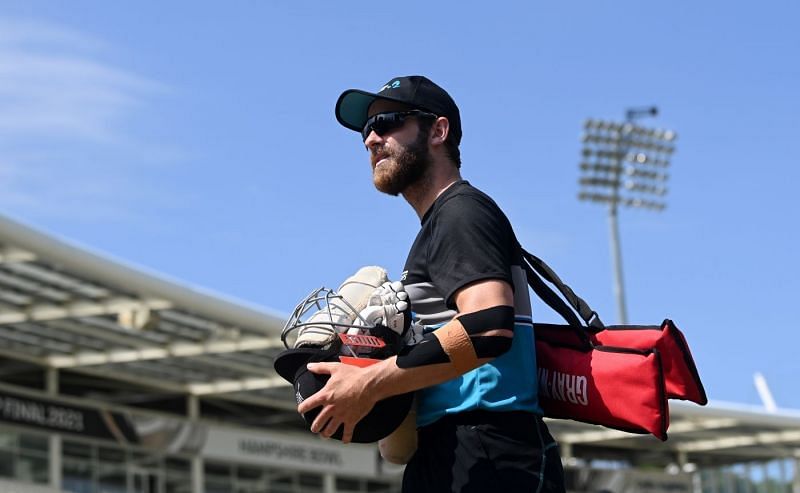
(329, 483)
(55, 461)
(565, 448)
(54, 445)
(198, 472)
(796, 473)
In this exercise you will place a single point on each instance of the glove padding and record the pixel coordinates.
(414, 334)
(388, 316)
(389, 306)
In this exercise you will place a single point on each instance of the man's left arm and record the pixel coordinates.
(351, 392)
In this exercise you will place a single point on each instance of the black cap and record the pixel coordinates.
(414, 90)
(380, 422)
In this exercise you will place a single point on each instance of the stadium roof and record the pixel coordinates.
(67, 309)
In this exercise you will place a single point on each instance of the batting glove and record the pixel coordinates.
(389, 306)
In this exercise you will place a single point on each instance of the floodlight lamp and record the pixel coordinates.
(641, 158)
(669, 135)
(608, 168)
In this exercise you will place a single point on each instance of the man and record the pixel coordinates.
(480, 426)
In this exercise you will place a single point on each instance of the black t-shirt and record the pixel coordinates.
(464, 238)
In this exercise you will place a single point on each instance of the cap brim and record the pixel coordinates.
(289, 361)
(352, 108)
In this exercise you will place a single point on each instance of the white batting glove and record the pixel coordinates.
(388, 305)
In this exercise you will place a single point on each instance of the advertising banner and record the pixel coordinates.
(291, 451)
(66, 418)
(167, 434)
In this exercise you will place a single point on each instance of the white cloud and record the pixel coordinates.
(65, 115)
(55, 84)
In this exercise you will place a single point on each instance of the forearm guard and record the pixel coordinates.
(462, 341)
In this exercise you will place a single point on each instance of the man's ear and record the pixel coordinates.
(439, 131)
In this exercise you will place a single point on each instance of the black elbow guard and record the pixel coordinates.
(494, 318)
(428, 352)
(491, 346)
(474, 344)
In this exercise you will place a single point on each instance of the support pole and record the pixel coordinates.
(329, 483)
(54, 441)
(616, 258)
(566, 452)
(197, 465)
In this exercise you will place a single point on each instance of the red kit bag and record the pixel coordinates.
(681, 378)
(619, 377)
(616, 387)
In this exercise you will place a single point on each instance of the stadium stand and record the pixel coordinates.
(114, 379)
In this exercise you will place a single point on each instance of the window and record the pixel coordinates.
(24, 456)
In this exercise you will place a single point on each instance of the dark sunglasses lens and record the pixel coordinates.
(382, 127)
(383, 123)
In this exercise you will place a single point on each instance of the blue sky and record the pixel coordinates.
(197, 139)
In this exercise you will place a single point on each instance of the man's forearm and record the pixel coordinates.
(386, 379)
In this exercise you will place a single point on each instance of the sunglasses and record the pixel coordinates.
(383, 123)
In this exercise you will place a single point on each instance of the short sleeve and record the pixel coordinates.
(471, 241)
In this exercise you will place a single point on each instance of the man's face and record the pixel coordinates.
(400, 157)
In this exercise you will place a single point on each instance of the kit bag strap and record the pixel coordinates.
(536, 270)
(550, 297)
(553, 301)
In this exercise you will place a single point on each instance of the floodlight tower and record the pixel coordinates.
(624, 163)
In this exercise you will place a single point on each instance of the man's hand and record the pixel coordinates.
(388, 305)
(345, 399)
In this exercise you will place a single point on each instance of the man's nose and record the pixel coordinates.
(373, 139)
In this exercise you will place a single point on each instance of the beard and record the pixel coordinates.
(403, 166)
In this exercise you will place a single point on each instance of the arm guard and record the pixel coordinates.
(461, 341)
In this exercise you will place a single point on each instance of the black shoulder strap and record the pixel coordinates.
(536, 270)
